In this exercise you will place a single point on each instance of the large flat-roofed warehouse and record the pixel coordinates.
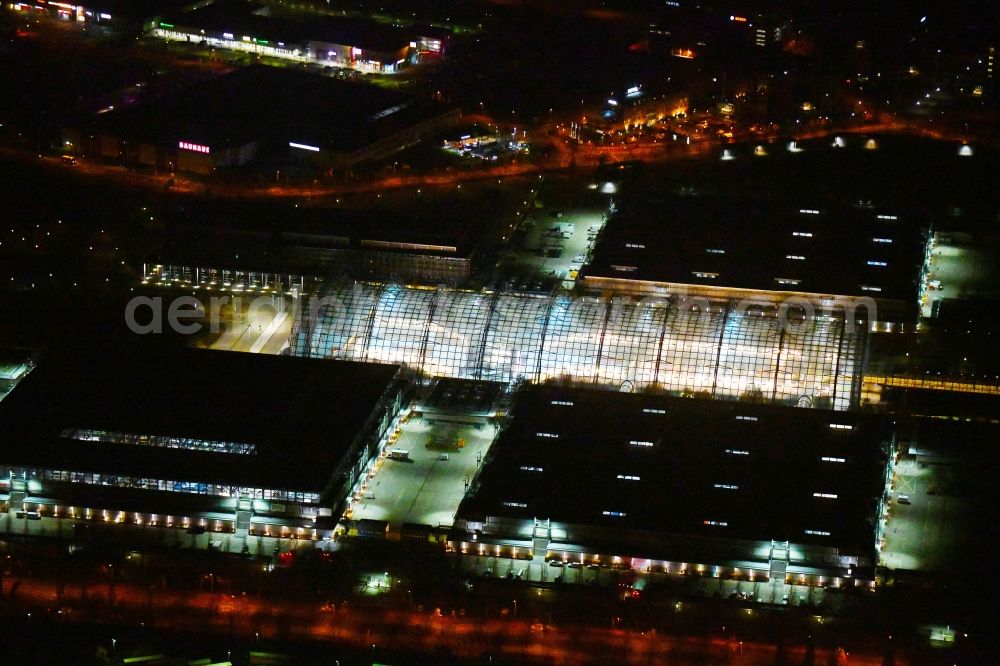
(671, 242)
(336, 41)
(266, 115)
(237, 443)
(15, 364)
(680, 486)
(279, 246)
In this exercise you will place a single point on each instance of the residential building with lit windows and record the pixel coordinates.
(680, 486)
(239, 444)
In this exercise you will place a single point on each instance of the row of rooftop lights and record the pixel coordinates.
(964, 150)
(708, 522)
(712, 275)
(725, 486)
(654, 410)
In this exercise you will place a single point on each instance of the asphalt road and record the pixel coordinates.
(522, 639)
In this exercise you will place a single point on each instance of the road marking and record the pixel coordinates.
(906, 482)
(268, 332)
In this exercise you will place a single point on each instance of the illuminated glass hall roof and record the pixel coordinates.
(720, 350)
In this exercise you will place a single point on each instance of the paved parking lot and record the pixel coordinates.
(561, 230)
(959, 270)
(557, 247)
(426, 489)
(925, 533)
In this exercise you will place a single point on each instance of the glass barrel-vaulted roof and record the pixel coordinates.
(717, 348)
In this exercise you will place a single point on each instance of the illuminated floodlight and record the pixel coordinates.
(871, 145)
(727, 154)
(302, 146)
(760, 151)
(793, 147)
(965, 150)
(838, 142)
